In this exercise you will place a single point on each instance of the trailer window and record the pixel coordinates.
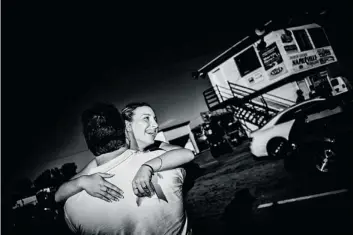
(302, 39)
(318, 37)
(247, 61)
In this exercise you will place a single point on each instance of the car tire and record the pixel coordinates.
(277, 148)
(308, 161)
(297, 162)
(325, 159)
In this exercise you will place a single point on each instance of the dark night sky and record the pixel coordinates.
(57, 58)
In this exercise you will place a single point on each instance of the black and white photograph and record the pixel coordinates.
(177, 118)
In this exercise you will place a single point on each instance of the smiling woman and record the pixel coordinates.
(141, 124)
(141, 128)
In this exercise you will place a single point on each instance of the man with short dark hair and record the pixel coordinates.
(103, 128)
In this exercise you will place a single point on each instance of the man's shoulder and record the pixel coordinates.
(176, 172)
(153, 154)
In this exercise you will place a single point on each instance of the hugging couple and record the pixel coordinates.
(134, 183)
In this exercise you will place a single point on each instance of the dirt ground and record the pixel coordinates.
(226, 196)
(226, 193)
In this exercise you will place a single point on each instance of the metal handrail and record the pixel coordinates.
(223, 92)
(231, 84)
(216, 95)
(234, 87)
(220, 95)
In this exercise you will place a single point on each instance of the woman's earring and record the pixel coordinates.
(128, 126)
(127, 141)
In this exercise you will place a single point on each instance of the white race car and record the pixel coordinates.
(272, 139)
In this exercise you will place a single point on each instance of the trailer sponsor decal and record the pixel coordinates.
(304, 61)
(309, 60)
(277, 71)
(251, 80)
(312, 59)
(327, 59)
(326, 55)
(323, 52)
(291, 48)
(257, 77)
(271, 56)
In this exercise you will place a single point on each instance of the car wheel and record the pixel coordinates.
(324, 159)
(277, 148)
(313, 159)
(234, 142)
(291, 160)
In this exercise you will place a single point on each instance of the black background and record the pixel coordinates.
(53, 52)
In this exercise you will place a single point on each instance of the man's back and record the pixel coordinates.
(90, 215)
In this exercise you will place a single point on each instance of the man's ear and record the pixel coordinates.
(128, 126)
